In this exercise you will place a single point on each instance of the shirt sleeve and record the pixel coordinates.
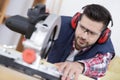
(97, 66)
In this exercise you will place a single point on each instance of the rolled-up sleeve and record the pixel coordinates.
(96, 66)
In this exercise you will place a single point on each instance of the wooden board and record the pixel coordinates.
(113, 72)
(10, 74)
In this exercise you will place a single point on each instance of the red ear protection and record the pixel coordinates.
(75, 19)
(104, 36)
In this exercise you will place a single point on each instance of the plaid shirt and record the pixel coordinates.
(94, 67)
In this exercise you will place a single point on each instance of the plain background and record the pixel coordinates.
(61, 7)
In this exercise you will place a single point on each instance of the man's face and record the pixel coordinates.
(87, 32)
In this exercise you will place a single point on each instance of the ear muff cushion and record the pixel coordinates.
(104, 36)
(75, 19)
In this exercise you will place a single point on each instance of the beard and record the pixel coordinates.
(81, 43)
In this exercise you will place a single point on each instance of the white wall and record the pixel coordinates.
(15, 7)
(70, 7)
(54, 6)
(65, 7)
(19, 7)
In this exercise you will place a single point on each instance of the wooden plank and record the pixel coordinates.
(113, 72)
(10, 74)
(81, 77)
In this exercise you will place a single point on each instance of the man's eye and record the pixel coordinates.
(92, 33)
(82, 28)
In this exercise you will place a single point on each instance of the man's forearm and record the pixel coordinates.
(97, 66)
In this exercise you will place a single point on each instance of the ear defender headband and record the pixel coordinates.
(105, 34)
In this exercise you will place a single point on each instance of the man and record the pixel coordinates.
(81, 50)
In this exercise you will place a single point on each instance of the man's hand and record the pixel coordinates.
(70, 69)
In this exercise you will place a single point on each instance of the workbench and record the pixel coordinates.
(11, 74)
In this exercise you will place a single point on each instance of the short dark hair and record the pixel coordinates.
(98, 13)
